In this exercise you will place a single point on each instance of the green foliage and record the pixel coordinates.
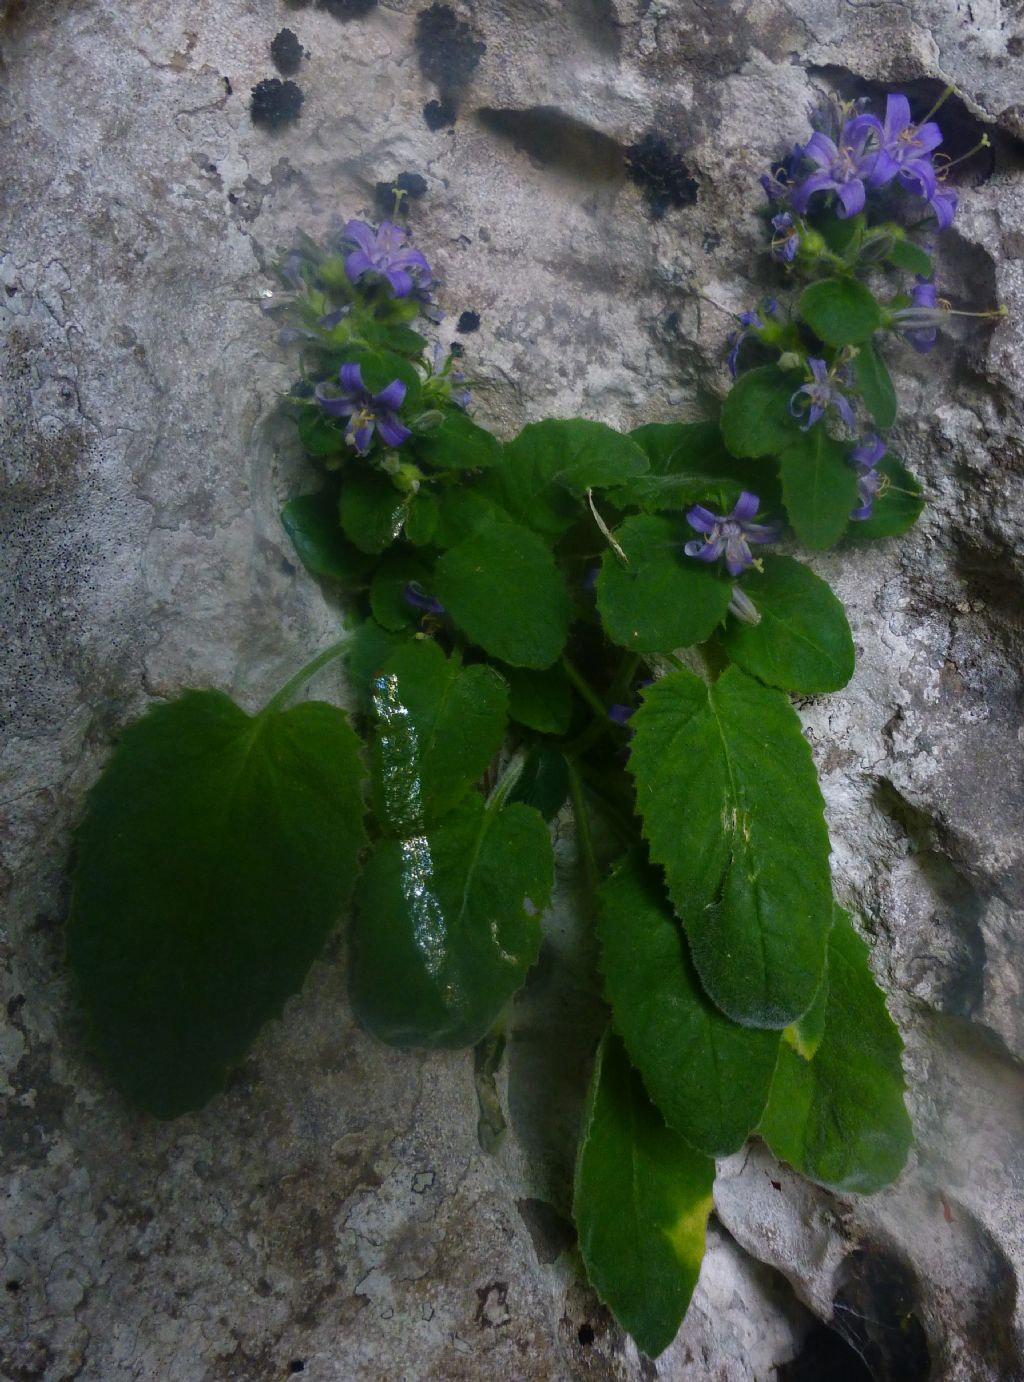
(756, 420)
(840, 1118)
(641, 1205)
(503, 590)
(897, 508)
(447, 924)
(910, 257)
(458, 444)
(438, 727)
(732, 809)
(217, 852)
(368, 649)
(388, 604)
(541, 701)
(875, 385)
(819, 487)
(659, 599)
(803, 642)
(311, 521)
(709, 1077)
(320, 435)
(543, 782)
(689, 465)
(370, 509)
(840, 310)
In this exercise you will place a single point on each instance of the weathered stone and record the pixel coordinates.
(333, 1209)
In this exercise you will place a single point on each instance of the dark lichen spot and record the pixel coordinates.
(439, 114)
(469, 321)
(348, 9)
(449, 50)
(457, 350)
(413, 185)
(585, 1334)
(229, 90)
(274, 102)
(665, 179)
(297, 1365)
(286, 51)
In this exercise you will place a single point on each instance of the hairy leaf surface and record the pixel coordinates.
(841, 311)
(819, 487)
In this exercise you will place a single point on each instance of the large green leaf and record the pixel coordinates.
(841, 311)
(503, 590)
(458, 444)
(733, 812)
(875, 385)
(388, 605)
(661, 599)
(540, 700)
(803, 642)
(438, 727)
(641, 1204)
(897, 508)
(690, 465)
(366, 652)
(906, 255)
(709, 1077)
(756, 420)
(371, 510)
(840, 1118)
(448, 923)
(819, 487)
(311, 521)
(551, 464)
(320, 435)
(217, 851)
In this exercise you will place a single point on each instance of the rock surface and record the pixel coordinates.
(332, 1214)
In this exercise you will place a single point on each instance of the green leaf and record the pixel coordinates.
(806, 1033)
(709, 1077)
(503, 590)
(662, 599)
(462, 513)
(840, 1118)
(733, 812)
(395, 336)
(458, 444)
(838, 234)
(368, 649)
(911, 258)
(840, 310)
(448, 923)
(756, 420)
(690, 465)
(544, 781)
(421, 519)
(803, 642)
(320, 436)
(897, 508)
(388, 604)
(550, 465)
(540, 700)
(217, 852)
(641, 1205)
(819, 487)
(379, 367)
(311, 521)
(439, 726)
(875, 385)
(371, 510)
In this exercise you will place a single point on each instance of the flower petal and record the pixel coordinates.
(351, 377)
(817, 182)
(362, 235)
(401, 282)
(702, 519)
(851, 197)
(356, 264)
(333, 405)
(820, 149)
(746, 506)
(392, 397)
(392, 432)
(897, 114)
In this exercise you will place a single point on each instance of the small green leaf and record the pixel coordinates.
(421, 518)
(756, 420)
(690, 465)
(875, 385)
(733, 812)
(448, 923)
(544, 781)
(503, 590)
(803, 642)
(368, 649)
(439, 726)
(840, 310)
(641, 1204)
(541, 701)
(819, 487)
(662, 599)
(550, 465)
(319, 434)
(840, 1118)
(462, 513)
(388, 604)
(394, 336)
(217, 852)
(311, 521)
(371, 510)
(897, 508)
(911, 258)
(458, 444)
(709, 1077)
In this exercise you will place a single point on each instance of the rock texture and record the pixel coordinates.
(332, 1214)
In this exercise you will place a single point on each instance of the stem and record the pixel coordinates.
(585, 689)
(582, 818)
(304, 674)
(948, 92)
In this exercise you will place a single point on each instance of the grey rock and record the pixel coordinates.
(333, 1207)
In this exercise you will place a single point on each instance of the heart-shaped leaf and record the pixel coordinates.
(690, 465)
(458, 444)
(312, 523)
(841, 311)
(756, 420)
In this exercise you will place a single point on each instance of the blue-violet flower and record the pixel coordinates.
(364, 410)
(786, 240)
(822, 391)
(904, 149)
(841, 168)
(865, 456)
(919, 323)
(386, 252)
(729, 534)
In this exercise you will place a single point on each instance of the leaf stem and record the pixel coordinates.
(585, 689)
(304, 674)
(582, 818)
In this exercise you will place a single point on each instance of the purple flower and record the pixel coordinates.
(779, 182)
(730, 534)
(869, 484)
(865, 456)
(841, 167)
(786, 240)
(904, 149)
(415, 595)
(868, 451)
(822, 392)
(619, 713)
(943, 202)
(919, 323)
(386, 252)
(749, 321)
(365, 410)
